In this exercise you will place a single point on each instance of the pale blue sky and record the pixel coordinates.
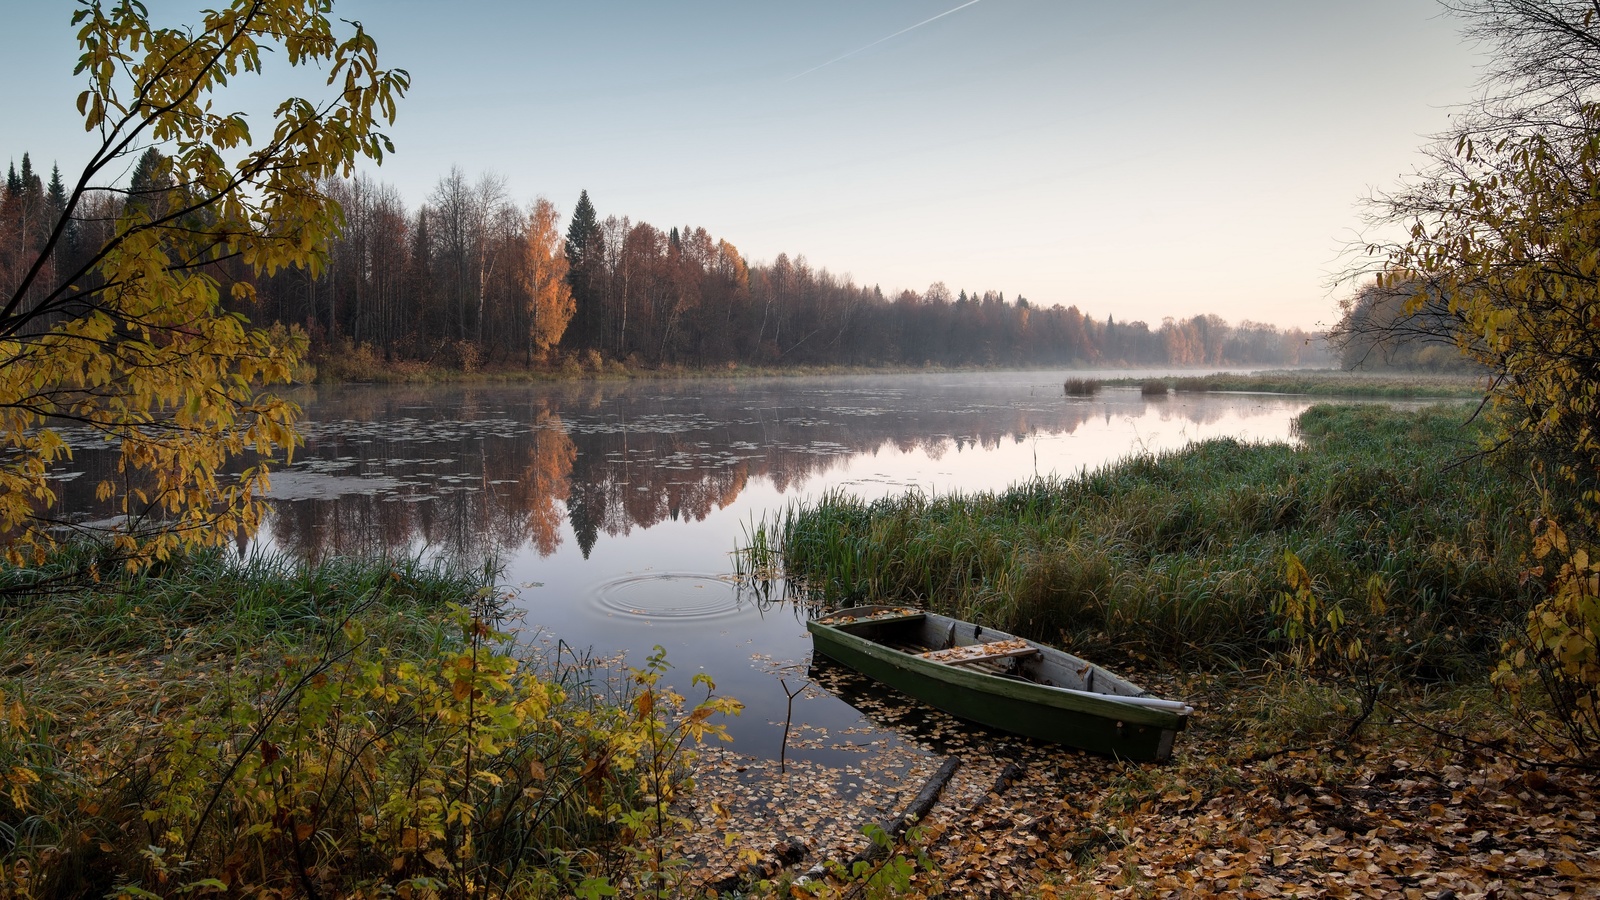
(1142, 158)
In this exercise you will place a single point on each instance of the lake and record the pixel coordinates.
(613, 508)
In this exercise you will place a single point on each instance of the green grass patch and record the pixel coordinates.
(1179, 556)
(214, 602)
(1325, 383)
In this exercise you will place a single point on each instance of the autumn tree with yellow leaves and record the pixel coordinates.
(1503, 255)
(131, 344)
(544, 277)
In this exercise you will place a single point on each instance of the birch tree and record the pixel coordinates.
(132, 342)
(544, 279)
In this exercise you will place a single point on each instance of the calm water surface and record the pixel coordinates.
(613, 508)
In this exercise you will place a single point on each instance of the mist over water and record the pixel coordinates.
(612, 508)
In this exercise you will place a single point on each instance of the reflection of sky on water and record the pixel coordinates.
(613, 507)
(964, 463)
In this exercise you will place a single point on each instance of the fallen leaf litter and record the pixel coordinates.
(1404, 817)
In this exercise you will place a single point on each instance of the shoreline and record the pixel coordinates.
(1313, 382)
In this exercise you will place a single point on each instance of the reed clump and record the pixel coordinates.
(1153, 387)
(1179, 556)
(1197, 385)
(1081, 387)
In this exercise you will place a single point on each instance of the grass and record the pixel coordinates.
(1325, 383)
(214, 602)
(272, 727)
(1081, 387)
(1179, 557)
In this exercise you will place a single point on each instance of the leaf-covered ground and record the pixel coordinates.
(1401, 812)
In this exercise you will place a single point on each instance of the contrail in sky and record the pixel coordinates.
(881, 40)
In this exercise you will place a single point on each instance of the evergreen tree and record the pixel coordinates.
(56, 193)
(56, 205)
(29, 179)
(13, 181)
(583, 233)
(585, 249)
(24, 212)
(420, 283)
(147, 183)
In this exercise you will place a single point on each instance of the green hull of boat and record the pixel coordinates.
(1033, 710)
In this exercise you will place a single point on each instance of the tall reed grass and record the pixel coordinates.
(1178, 556)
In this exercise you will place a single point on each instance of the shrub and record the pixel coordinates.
(370, 747)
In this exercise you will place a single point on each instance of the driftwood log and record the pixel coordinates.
(897, 826)
(1004, 780)
(924, 801)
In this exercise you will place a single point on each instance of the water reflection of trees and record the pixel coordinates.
(484, 472)
(468, 498)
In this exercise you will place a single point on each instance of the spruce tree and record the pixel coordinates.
(55, 208)
(56, 193)
(28, 179)
(147, 183)
(582, 233)
(419, 276)
(55, 199)
(585, 251)
(26, 206)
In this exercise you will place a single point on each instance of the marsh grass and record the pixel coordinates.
(1329, 383)
(1178, 556)
(1153, 387)
(1081, 387)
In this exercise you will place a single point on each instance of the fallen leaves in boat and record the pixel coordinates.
(976, 652)
(1400, 815)
(896, 613)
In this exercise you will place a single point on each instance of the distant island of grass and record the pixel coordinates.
(1310, 382)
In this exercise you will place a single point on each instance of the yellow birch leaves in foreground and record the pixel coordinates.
(1513, 247)
(134, 345)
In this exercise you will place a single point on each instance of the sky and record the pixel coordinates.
(1139, 158)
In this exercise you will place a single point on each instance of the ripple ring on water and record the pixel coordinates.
(672, 595)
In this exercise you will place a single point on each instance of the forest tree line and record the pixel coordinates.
(473, 278)
(1401, 324)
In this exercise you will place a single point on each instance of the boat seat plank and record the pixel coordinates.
(976, 653)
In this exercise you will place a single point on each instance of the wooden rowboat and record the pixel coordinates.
(1001, 681)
